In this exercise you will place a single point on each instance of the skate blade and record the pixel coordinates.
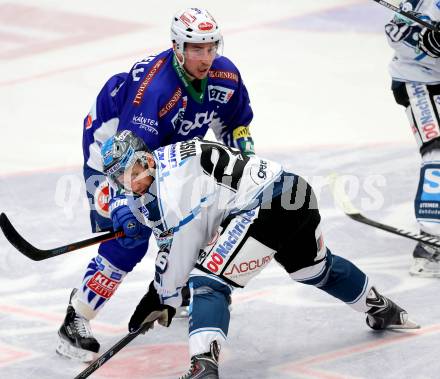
(65, 349)
(409, 324)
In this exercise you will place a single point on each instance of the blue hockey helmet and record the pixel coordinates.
(120, 152)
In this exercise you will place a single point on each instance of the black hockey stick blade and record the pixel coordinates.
(36, 254)
(414, 16)
(112, 351)
(351, 211)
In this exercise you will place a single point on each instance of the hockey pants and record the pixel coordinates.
(296, 237)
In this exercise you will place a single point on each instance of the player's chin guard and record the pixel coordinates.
(194, 25)
(120, 153)
(150, 310)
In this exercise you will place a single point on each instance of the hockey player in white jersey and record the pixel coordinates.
(219, 218)
(415, 72)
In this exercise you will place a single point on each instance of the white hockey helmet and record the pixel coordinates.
(195, 25)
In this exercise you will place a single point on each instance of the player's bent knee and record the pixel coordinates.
(314, 274)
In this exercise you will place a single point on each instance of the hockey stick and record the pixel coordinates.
(410, 14)
(36, 254)
(351, 211)
(112, 351)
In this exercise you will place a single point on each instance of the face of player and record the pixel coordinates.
(199, 58)
(138, 179)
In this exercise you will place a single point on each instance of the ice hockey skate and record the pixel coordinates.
(204, 365)
(385, 314)
(75, 337)
(426, 262)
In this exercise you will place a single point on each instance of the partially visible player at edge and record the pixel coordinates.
(415, 72)
(169, 97)
(219, 218)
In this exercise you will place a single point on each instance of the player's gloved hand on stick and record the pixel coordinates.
(150, 310)
(429, 42)
(123, 219)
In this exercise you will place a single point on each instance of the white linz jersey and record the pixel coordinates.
(198, 184)
(409, 63)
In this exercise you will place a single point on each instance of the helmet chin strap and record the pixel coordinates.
(182, 63)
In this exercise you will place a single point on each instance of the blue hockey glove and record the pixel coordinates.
(429, 42)
(123, 219)
(150, 310)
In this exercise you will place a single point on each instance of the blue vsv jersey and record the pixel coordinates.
(159, 104)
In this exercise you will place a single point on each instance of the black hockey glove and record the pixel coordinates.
(150, 310)
(429, 42)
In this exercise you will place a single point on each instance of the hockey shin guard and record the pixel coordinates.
(339, 278)
(99, 284)
(209, 313)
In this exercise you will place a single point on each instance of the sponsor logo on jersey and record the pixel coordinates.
(248, 266)
(101, 199)
(200, 120)
(171, 103)
(229, 241)
(423, 112)
(228, 75)
(205, 26)
(145, 123)
(259, 173)
(262, 170)
(146, 82)
(88, 121)
(219, 94)
(431, 185)
(102, 285)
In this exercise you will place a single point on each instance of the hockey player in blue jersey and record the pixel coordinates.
(415, 72)
(175, 95)
(219, 219)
